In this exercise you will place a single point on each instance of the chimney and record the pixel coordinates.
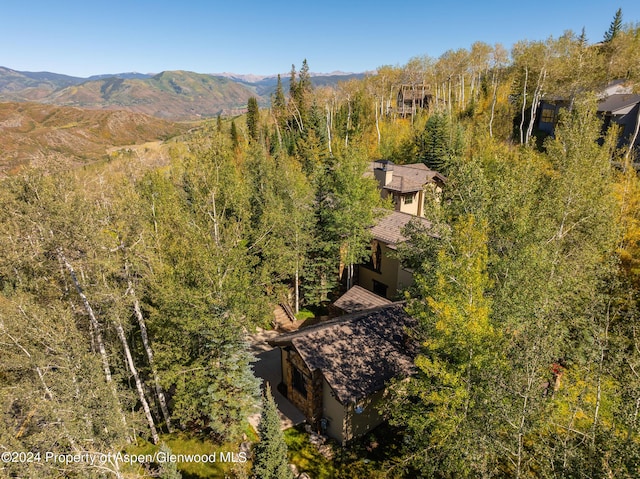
(383, 171)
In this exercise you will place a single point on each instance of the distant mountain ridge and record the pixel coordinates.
(174, 95)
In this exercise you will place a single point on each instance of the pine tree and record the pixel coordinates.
(615, 27)
(168, 469)
(235, 139)
(279, 103)
(270, 454)
(437, 143)
(253, 118)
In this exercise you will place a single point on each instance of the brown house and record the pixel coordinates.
(407, 185)
(384, 274)
(335, 372)
(411, 98)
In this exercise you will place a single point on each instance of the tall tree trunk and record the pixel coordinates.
(139, 387)
(92, 317)
(378, 122)
(634, 137)
(524, 104)
(297, 288)
(346, 138)
(329, 130)
(537, 96)
(95, 326)
(493, 104)
(152, 365)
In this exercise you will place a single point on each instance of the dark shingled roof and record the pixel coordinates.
(617, 102)
(388, 229)
(359, 299)
(357, 353)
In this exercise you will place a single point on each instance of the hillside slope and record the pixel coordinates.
(46, 135)
(173, 95)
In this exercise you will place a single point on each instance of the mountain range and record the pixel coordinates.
(171, 95)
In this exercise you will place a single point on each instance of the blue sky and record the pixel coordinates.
(84, 38)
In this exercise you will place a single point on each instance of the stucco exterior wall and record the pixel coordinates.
(360, 423)
(388, 274)
(411, 208)
(333, 412)
(391, 273)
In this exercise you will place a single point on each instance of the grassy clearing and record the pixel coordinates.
(183, 444)
(304, 314)
(370, 457)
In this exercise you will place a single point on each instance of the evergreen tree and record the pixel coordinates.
(440, 140)
(279, 101)
(253, 119)
(235, 138)
(615, 27)
(270, 454)
(168, 469)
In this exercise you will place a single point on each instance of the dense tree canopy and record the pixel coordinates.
(125, 294)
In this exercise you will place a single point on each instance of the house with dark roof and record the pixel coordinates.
(407, 185)
(616, 105)
(357, 299)
(335, 372)
(383, 274)
(622, 109)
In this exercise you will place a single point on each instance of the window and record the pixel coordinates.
(298, 382)
(380, 288)
(408, 199)
(547, 115)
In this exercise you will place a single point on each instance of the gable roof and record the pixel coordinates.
(407, 178)
(359, 299)
(615, 103)
(357, 353)
(415, 175)
(388, 229)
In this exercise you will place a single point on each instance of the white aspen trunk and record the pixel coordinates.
(462, 101)
(449, 95)
(537, 96)
(295, 117)
(346, 138)
(634, 137)
(95, 326)
(297, 288)
(524, 104)
(153, 213)
(92, 317)
(329, 130)
(493, 104)
(378, 121)
(152, 365)
(136, 377)
(216, 233)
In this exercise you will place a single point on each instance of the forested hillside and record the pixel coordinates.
(125, 295)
